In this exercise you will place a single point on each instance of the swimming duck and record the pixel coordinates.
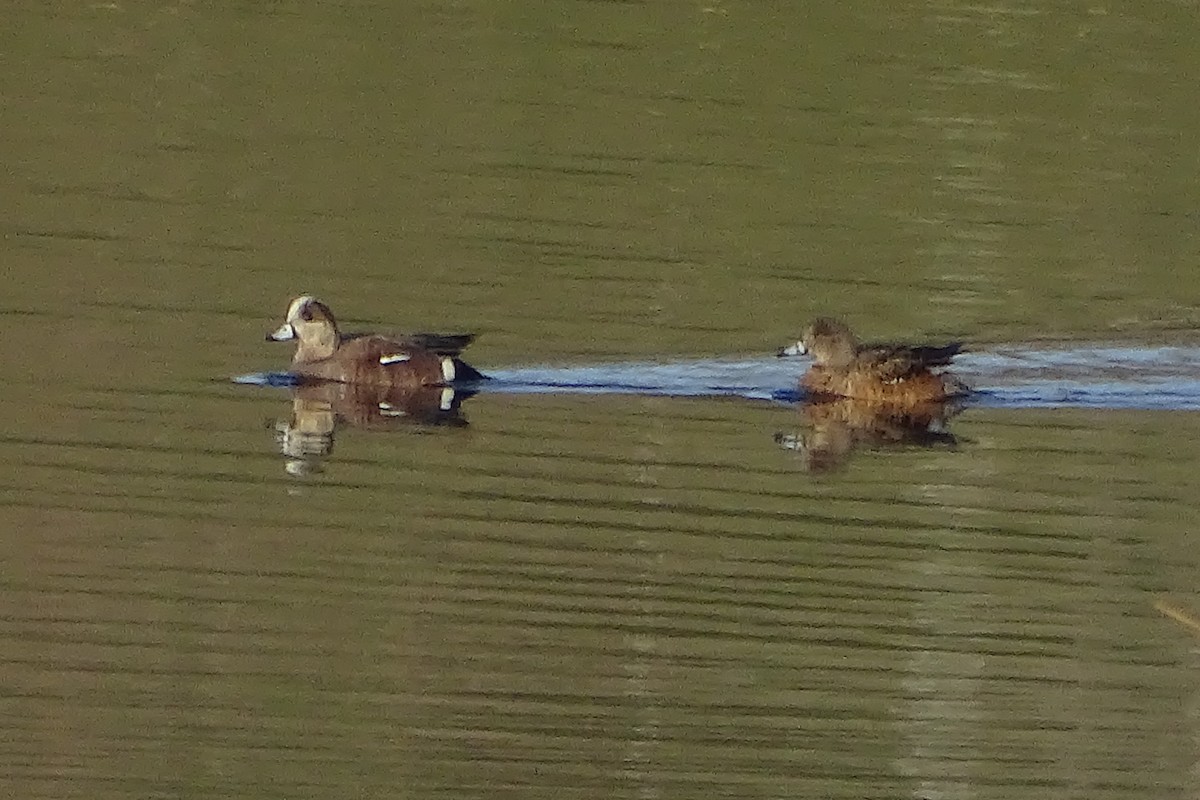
(896, 373)
(324, 353)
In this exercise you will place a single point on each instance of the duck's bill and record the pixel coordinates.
(794, 349)
(283, 333)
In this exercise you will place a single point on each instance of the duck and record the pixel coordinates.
(323, 353)
(877, 373)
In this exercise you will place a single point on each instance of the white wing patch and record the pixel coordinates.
(393, 358)
(448, 370)
(389, 410)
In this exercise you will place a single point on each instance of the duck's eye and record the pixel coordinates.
(306, 314)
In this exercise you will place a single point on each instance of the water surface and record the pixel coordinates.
(641, 592)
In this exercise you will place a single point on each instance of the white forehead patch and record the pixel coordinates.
(297, 304)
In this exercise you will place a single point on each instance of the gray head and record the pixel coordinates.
(829, 341)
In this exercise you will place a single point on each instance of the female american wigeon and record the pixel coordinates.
(421, 359)
(893, 373)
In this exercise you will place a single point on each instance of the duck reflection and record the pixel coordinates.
(832, 429)
(319, 408)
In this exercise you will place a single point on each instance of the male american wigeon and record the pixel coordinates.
(894, 373)
(322, 352)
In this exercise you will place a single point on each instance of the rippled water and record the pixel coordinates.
(1088, 377)
(634, 564)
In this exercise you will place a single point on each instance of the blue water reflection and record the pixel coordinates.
(1158, 378)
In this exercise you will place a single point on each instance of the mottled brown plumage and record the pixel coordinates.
(323, 353)
(843, 367)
